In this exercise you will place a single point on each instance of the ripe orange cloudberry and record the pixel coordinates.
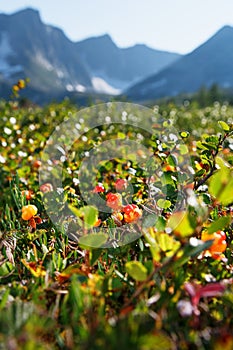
(28, 211)
(114, 201)
(121, 184)
(131, 213)
(219, 244)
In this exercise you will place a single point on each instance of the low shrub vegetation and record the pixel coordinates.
(151, 271)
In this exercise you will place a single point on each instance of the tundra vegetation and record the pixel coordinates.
(168, 284)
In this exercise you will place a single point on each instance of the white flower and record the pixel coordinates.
(185, 308)
(2, 159)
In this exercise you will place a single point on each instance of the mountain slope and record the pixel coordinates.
(57, 66)
(212, 62)
(121, 67)
(40, 52)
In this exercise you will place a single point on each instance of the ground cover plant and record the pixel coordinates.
(153, 270)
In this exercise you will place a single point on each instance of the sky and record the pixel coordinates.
(170, 25)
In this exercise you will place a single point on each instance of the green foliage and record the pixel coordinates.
(221, 186)
(93, 240)
(136, 270)
(61, 289)
(219, 224)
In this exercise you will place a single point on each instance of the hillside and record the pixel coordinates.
(212, 62)
(58, 67)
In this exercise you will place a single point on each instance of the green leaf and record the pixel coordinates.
(189, 252)
(224, 125)
(93, 240)
(200, 173)
(167, 178)
(6, 268)
(153, 244)
(183, 149)
(217, 180)
(219, 224)
(168, 244)
(4, 299)
(121, 135)
(161, 223)
(226, 196)
(221, 163)
(164, 203)
(221, 186)
(150, 221)
(200, 145)
(171, 160)
(94, 255)
(74, 210)
(136, 270)
(156, 341)
(212, 139)
(89, 214)
(181, 224)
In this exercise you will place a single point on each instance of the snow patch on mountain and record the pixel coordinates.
(118, 84)
(78, 88)
(6, 69)
(43, 61)
(101, 86)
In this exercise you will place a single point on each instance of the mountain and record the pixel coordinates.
(210, 63)
(120, 68)
(29, 48)
(57, 66)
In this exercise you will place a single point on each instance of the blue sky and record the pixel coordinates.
(172, 25)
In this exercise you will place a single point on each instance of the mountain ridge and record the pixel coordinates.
(56, 65)
(209, 63)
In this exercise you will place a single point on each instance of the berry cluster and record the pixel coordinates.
(122, 214)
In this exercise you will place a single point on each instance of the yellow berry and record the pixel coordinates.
(28, 211)
(21, 84)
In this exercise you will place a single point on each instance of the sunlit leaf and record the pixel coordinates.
(219, 224)
(4, 298)
(149, 235)
(171, 160)
(6, 268)
(75, 211)
(89, 214)
(183, 149)
(200, 145)
(136, 270)
(93, 240)
(164, 203)
(180, 223)
(167, 244)
(224, 125)
(156, 341)
(221, 186)
(35, 268)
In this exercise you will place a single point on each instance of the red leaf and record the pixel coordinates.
(212, 290)
(196, 291)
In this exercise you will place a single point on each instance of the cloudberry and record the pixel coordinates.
(28, 211)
